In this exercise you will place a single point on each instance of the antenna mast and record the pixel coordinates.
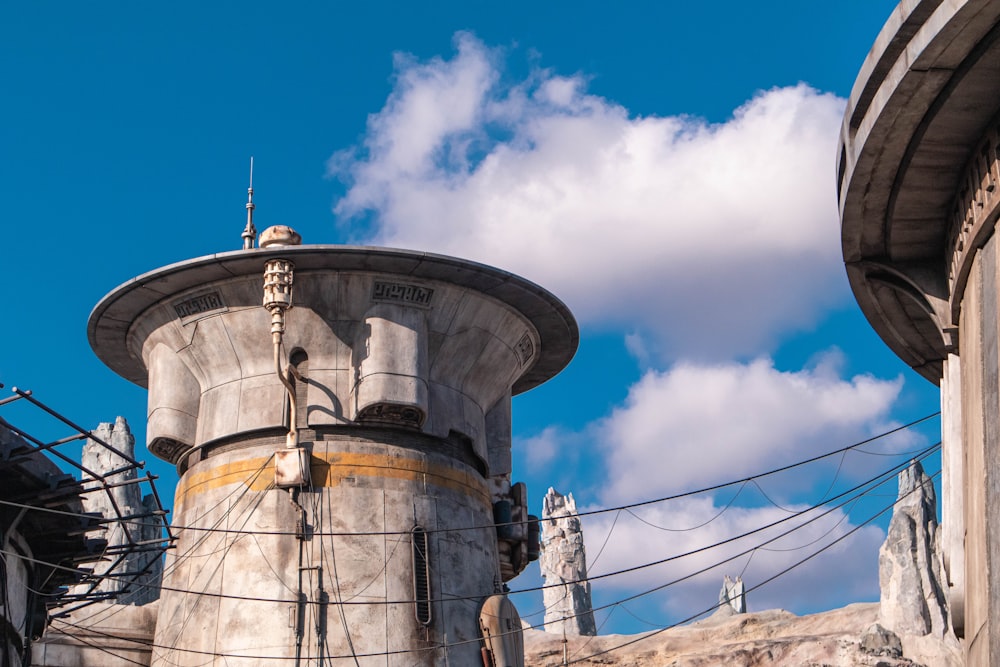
(249, 232)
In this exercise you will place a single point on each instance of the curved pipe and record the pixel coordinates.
(292, 440)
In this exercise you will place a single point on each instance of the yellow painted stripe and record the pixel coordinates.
(329, 469)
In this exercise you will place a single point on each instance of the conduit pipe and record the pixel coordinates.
(278, 278)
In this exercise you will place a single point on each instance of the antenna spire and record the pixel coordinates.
(249, 232)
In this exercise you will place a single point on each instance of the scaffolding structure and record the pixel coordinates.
(72, 557)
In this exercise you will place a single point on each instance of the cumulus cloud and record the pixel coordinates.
(696, 425)
(846, 572)
(543, 448)
(714, 423)
(706, 240)
(701, 243)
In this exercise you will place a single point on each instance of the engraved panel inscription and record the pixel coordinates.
(197, 305)
(525, 348)
(411, 295)
(391, 413)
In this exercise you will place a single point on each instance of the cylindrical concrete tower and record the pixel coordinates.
(918, 168)
(371, 542)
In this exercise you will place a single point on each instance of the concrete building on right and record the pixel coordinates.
(917, 176)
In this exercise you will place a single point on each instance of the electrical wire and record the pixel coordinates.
(843, 518)
(575, 661)
(887, 474)
(704, 523)
(104, 649)
(107, 613)
(189, 610)
(604, 510)
(749, 552)
(386, 533)
(607, 538)
(848, 497)
(757, 586)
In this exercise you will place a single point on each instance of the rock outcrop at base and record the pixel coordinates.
(563, 561)
(755, 639)
(911, 571)
(876, 640)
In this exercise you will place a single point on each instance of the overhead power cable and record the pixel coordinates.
(455, 598)
(275, 658)
(604, 510)
(869, 486)
(442, 646)
(763, 583)
(624, 507)
(874, 482)
(847, 497)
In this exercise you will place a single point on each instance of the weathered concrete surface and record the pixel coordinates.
(100, 635)
(911, 577)
(366, 496)
(403, 368)
(953, 465)
(757, 639)
(563, 561)
(973, 452)
(911, 193)
(386, 331)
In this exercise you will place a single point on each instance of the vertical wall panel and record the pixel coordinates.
(953, 489)
(991, 432)
(970, 332)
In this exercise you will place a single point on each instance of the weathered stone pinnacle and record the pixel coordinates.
(568, 608)
(911, 580)
(732, 597)
(122, 500)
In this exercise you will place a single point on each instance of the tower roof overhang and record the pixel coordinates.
(927, 94)
(111, 320)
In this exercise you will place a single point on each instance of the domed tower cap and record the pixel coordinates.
(279, 235)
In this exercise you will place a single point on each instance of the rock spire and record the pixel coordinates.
(142, 569)
(568, 608)
(733, 595)
(910, 568)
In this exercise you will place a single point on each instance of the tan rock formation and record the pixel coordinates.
(755, 639)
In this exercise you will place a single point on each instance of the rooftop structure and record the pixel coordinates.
(344, 448)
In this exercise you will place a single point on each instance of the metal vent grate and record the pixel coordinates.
(421, 576)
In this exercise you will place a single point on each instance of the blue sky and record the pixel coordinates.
(666, 168)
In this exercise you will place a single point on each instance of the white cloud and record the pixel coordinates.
(705, 242)
(846, 572)
(540, 450)
(711, 240)
(697, 425)
(706, 424)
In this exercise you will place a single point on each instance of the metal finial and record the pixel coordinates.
(249, 232)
